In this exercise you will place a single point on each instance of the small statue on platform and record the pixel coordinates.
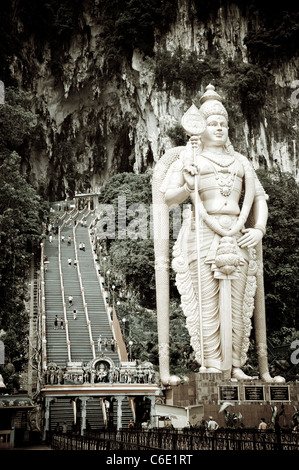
(217, 256)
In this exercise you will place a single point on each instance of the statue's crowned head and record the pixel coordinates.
(211, 103)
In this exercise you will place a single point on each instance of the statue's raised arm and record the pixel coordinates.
(217, 256)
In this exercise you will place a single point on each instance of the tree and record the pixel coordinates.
(128, 198)
(21, 215)
(281, 251)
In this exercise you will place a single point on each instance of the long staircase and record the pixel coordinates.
(71, 271)
(80, 341)
(99, 322)
(85, 380)
(56, 340)
(77, 341)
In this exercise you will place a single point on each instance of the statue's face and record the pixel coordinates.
(216, 132)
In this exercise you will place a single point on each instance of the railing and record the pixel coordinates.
(113, 322)
(63, 295)
(43, 306)
(121, 345)
(179, 440)
(42, 294)
(72, 214)
(83, 294)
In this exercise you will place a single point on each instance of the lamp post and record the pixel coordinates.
(124, 327)
(108, 274)
(130, 349)
(100, 250)
(113, 290)
(108, 284)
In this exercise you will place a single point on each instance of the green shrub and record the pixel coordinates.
(184, 68)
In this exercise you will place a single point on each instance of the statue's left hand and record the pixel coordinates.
(250, 238)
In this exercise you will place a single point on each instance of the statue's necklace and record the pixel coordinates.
(225, 178)
(223, 160)
(213, 224)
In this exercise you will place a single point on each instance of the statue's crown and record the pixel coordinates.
(211, 103)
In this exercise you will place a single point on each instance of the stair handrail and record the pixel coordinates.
(101, 280)
(63, 297)
(83, 294)
(121, 346)
(71, 217)
(113, 320)
(43, 307)
(43, 295)
(61, 217)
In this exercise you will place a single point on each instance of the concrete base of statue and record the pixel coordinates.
(249, 400)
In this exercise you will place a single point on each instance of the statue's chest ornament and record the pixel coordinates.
(226, 180)
(225, 176)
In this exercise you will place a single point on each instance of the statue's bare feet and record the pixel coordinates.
(174, 380)
(266, 377)
(239, 374)
(278, 379)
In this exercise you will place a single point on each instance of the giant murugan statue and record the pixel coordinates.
(217, 255)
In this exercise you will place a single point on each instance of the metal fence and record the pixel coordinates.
(179, 440)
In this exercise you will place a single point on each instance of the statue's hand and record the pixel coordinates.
(189, 173)
(250, 238)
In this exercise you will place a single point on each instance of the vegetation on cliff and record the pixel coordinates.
(44, 43)
(36, 38)
(21, 215)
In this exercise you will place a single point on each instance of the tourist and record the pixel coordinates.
(263, 425)
(55, 322)
(70, 300)
(61, 323)
(69, 240)
(69, 261)
(203, 426)
(212, 426)
(75, 314)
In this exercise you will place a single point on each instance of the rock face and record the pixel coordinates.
(96, 119)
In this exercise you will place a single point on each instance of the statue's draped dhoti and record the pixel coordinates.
(225, 319)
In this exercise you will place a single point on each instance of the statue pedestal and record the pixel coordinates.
(253, 399)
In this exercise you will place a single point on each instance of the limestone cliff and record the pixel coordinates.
(106, 107)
